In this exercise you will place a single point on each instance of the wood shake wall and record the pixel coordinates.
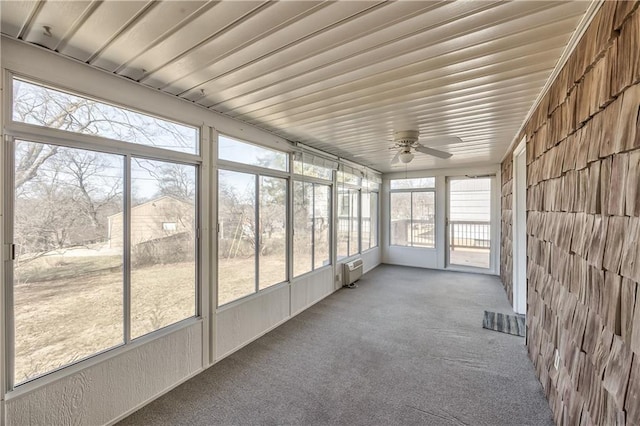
(583, 227)
(506, 235)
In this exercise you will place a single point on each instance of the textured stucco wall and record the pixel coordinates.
(106, 391)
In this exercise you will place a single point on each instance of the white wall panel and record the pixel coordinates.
(310, 288)
(371, 259)
(412, 256)
(108, 390)
(246, 320)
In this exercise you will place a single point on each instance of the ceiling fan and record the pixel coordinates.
(406, 141)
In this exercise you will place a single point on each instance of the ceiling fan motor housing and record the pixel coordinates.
(406, 138)
(406, 141)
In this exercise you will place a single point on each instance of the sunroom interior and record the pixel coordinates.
(180, 178)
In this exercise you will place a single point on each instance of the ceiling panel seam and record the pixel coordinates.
(375, 62)
(237, 48)
(406, 73)
(77, 24)
(396, 88)
(325, 47)
(477, 83)
(289, 45)
(370, 49)
(184, 22)
(26, 26)
(129, 24)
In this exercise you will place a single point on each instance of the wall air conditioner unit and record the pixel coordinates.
(352, 271)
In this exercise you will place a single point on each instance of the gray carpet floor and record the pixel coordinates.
(406, 347)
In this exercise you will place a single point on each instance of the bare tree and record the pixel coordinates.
(177, 181)
(272, 220)
(64, 195)
(30, 160)
(236, 213)
(49, 108)
(93, 189)
(44, 218)
(174, 180)
(39, 106)
(66, 203)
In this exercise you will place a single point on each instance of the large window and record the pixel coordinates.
(369, 216)
(67, 280)
(252, 221)
(272, 231)
(309, 165)
(231, 149)
(236, 235)
(311, 212)
(369, 223)
(311, 232)
(354, 225)
(412, 212)
(105, 247)
(348, 221)
(43, 106)
(356, 231)
(163, 252)
(413, 183)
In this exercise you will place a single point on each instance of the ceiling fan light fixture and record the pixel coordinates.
(406, 157)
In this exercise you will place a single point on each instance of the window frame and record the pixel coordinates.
(257, 172)
(314, 181)
(410, 188)
(372, 225)
(347, 194)
(15, 131)
(230, 163)
(128, 146)
(299, 158)
(411, 191)
(298, 161)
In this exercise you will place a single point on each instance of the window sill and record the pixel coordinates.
(393, 246)
(311, 273)
(348, 258)
(471, 269)
(248, 297)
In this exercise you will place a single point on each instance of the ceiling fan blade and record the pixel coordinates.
(434, 152)
(444, 140)
(396, 158)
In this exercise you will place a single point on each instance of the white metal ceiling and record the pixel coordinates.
(339, 76)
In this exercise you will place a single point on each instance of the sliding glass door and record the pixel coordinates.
(469, 222)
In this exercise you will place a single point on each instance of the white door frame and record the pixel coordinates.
(519, 228)
(494, 220)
